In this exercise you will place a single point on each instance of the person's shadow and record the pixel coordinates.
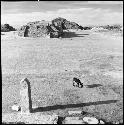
(72, 34)
(93, 85)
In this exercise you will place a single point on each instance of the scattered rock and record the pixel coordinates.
(90, 120)
(73, 120)
(30, 118)
(101, 122)
(16, 108)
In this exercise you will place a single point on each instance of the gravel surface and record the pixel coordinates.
(51, 64)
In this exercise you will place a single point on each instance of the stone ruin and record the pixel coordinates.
(52, 29)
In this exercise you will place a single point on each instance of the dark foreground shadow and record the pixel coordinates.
(55, 107)
(13, 123)
(93, 85)
(72, 34)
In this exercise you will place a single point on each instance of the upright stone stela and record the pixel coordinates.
(25, 93)
(27, 115)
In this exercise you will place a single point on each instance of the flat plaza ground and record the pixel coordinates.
(51, 64)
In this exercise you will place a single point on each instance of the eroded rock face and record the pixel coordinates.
(53, 29)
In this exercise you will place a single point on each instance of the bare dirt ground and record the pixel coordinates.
(51, 64)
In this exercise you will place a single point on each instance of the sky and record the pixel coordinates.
(81, 12)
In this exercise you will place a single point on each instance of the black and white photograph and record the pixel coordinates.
(62, 62)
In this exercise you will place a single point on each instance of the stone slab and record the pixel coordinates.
(30, 118)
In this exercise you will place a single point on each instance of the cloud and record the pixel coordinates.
(105, 2)
(83, 16)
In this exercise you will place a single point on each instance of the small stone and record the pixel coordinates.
(74, 112)
(101, 122)
(16, 107)
(73, 120)
(90, 120)
(117, 123)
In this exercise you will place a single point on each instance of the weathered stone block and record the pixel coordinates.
(73, 120)
(90, 120)
(25, 93)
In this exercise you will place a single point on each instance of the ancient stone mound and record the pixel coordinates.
(53, 29)
(38, 29)
(61, 23)
(7, 28)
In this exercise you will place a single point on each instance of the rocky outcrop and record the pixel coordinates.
(7, 28)
(53, 29)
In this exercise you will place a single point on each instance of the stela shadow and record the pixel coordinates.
(55, 107)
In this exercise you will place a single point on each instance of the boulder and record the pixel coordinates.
(90, 120)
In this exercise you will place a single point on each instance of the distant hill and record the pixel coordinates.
(116, 27)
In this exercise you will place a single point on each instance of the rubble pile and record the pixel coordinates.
(52, 29)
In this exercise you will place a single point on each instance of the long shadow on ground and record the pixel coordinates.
(55, 107)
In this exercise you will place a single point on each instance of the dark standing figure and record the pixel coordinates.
(77, 83)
